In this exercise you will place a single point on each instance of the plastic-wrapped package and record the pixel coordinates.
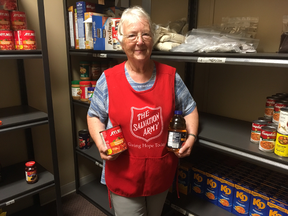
(165, 38)
(209, 40)
(241, 26)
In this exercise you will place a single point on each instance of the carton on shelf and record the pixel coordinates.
(71, 26)
(88, 29)
(98, 32)
(83, 7)
(76, 30)
(104, 30)
(111, 39)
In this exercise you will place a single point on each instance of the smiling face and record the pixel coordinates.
(139, 49)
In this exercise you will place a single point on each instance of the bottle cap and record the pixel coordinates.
(178, 112)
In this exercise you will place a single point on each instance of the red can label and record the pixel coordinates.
(25, 40)
(6, 40)
(256, 130)
(4, 20)
(18, 20)
(8, 4)
(269, 108)
(276, 112)
(114, 140)
(267, 139)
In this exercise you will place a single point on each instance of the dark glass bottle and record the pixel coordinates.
(177, 132)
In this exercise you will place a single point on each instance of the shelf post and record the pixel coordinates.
(45, 58)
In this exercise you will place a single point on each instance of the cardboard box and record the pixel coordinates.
(83, 7)
(88, 29)
(71, 26)
(104, 30)
(98, 32)
(76, 30)
(111, 39)
(184, 178)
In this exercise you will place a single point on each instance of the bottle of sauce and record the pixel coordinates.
(177, 133)
(31, 172)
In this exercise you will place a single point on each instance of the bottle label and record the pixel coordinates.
(176, 139)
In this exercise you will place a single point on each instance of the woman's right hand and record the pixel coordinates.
(103, 153)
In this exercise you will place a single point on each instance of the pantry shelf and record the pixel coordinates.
(232, 136)
(251, 59)
(20, 117)
(20, 54)
(14, 187)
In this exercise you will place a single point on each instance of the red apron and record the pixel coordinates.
(146, 167)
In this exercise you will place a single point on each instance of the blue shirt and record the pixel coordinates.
(100, 100)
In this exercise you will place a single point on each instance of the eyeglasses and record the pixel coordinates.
(134, 37)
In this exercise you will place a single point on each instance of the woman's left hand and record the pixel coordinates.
(186, 148)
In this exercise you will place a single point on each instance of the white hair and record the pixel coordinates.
(133, 13)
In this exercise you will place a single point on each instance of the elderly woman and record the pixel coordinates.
(138, 179)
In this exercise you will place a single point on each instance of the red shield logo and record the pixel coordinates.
(146, 123)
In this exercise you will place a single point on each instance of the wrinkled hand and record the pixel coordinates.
(104, 156)
(186, 148)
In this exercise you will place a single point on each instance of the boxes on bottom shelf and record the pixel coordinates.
(184, 178)
(104, 30)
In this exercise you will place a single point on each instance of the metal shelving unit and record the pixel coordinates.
(13, 188)
(221, 134)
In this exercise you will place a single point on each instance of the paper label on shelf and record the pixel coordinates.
(10, 202)
(177, 208)
(211, 60)
(103, 55)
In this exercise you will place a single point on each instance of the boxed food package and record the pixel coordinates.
(226, 193)
(81, 8)
(71, 19)
(241, 199)
(199, 181)
(104, 31)
(98, 32)
(212, 188)
(8, 5)
(184, 178)
(88, 29)
(111, 39)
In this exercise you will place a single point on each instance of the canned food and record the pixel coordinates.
(8, 4)
(267, 139)
(18, 20)
(281, 145)
(6, 40)
(114, 140)
(269, 108)
(84, 70)
(283, 121)
(25, 40)
(84, 139)
(256, 130)
(4, 20)
(278, 105)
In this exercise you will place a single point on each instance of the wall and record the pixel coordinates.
(240, 91)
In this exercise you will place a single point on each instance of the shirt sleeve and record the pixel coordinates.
(183, 99)
(99, 102)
